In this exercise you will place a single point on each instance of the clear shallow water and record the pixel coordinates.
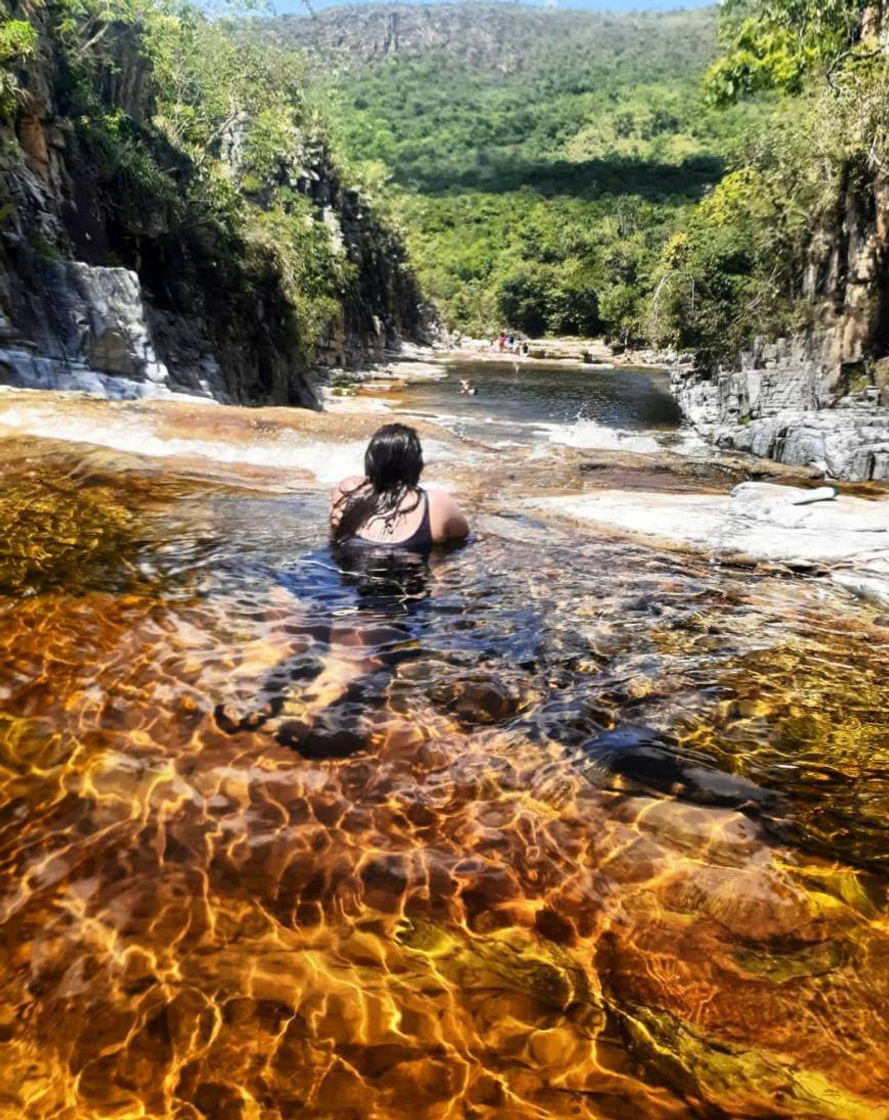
(550, 826)
(521, 401)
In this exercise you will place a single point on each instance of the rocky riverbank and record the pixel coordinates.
(781, 403)
(577, 351)
(845, 539)
(791, 414)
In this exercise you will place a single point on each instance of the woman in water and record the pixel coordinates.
(388, 507)
(321, 661)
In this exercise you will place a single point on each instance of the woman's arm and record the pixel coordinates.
(340, 496)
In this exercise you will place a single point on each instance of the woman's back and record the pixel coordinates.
(424, 517)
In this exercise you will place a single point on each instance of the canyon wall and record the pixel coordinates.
(107, 285)
(821, 398)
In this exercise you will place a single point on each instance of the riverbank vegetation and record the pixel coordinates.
(762, 254)
(674, 179)
(206, 163)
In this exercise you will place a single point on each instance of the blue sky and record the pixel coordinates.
(282, 6)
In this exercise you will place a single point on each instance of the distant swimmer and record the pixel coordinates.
(467, 388)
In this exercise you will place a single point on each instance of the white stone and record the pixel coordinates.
(759, 521)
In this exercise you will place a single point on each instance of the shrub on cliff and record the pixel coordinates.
(756, 256)
(17, 41)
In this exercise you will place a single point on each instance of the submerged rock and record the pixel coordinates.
(61, 534)
(743, 1080)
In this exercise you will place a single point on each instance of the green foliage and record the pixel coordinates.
(524, 298)
(537, 162)
(18, 40)
(759, 61)
(739, 269)
(238, 112)
(123, 155)
(775, 44)
(311, 272)
(541, 297)
(754, 258)
(552, 172)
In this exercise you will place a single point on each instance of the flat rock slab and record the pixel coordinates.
(757, 521)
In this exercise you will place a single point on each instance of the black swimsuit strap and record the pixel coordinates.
(424, 520)
(421, 537)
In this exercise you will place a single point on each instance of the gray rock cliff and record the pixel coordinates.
(821, 398)
(785, 414)
(107, 290)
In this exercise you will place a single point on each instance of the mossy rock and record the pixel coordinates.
(811, 960)
(743, 1080)
(62, 532)
(511, 959)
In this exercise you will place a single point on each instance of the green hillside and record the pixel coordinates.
(539, 160)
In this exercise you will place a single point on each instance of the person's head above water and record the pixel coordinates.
(393, 459)
(387, 505)
(393, 463)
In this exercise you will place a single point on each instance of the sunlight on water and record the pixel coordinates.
(549, 827)
(519, 402)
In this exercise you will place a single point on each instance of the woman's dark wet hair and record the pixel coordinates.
(393, 463)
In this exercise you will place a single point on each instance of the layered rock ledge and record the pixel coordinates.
(792, 414)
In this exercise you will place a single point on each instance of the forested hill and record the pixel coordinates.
(539, 160)
(494, 39)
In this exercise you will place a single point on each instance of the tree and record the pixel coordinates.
(775, 44)
(524, 299)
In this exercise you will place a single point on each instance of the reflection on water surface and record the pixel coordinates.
(550, 826)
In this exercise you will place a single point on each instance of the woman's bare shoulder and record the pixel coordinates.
(447, 519)
(438, 497)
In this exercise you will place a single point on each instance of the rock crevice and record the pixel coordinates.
(788, 413)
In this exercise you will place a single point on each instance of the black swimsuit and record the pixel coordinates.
(418, 541)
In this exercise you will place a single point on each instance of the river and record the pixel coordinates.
(556, 825)
(525, 402)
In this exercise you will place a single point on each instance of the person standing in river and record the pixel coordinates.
(387, 507)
